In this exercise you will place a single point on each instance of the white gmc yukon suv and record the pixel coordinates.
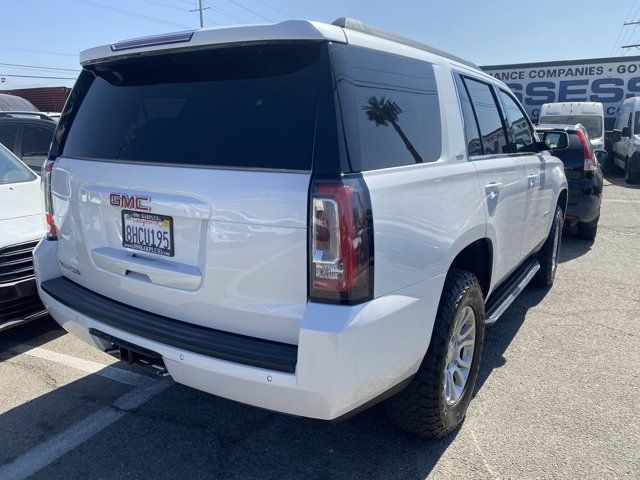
(304, 217)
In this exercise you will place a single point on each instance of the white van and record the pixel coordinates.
(626, 139)
(588, 114)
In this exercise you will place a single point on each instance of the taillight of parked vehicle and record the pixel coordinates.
(590, 162)
(341, 242)
(52, 230)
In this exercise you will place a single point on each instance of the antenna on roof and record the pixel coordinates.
(358, 26)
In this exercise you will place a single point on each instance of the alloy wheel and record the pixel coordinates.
(459, 355)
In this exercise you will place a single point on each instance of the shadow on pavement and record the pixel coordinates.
(34, 334)
(573, 248)
(618, 180)
(498, 337)
(183, 433)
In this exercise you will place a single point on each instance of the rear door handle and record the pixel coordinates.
(493, 187)
(533, 178)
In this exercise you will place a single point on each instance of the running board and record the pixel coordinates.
(509, 291)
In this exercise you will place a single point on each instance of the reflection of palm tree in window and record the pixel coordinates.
(383, 112)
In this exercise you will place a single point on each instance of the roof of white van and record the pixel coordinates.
(632, 101)
(572, 108)
(343, 30)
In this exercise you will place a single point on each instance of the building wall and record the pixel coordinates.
(45, 99)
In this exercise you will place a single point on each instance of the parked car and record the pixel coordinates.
(588, 114)
(626, 139)
(341, 234)
(570, 143)
(28, 135)
(22, 226)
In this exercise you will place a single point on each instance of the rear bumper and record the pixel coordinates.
(345, 357)
(589, 196)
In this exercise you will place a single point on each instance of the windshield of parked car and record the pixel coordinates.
(592, 123)
(13, 170)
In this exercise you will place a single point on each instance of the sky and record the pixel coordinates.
(50, 33)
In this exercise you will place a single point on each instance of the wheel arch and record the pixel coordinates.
(477, 258)
(563, 200)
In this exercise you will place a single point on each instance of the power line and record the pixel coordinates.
(37, 76)
(40, 51)
(130, 13)
(614, 49)
(38, 67)
(226, 14)
(200, 9)
(250, 11)
(626, 37)
(166, 5)
(278, 9)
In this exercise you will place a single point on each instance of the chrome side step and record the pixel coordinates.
(502, 299)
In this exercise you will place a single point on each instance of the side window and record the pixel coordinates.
(636, 124)
(397, 109)
(555, 140)
(520, 131)
(8, 135)
(35, 145)
(494, 139)
(620, 121)
(474, 145)
(629, 121)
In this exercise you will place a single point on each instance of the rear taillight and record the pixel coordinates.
(590, 162)
(341, 243)
(52, 230)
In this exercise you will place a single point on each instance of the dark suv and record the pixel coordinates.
(28, 135)
(570, 143)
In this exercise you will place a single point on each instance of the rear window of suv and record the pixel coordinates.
(239, 107)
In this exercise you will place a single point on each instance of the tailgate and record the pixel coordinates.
(239, 243)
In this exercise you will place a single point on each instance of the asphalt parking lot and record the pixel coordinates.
(558, 396)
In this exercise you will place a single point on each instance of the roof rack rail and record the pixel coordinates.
(358, 26)
(11, 113)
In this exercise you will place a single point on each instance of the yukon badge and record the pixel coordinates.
(129, 201)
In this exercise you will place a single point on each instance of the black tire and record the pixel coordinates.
(549, 262)
(422, 408)
(628, 176)
(588, 231)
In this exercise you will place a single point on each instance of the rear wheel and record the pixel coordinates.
(550, 251)
(587, 231)
(628, 176)
(435, 402)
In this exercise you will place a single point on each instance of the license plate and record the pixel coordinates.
(147, 232)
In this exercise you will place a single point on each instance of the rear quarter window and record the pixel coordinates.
(397, 110)
(240, 107)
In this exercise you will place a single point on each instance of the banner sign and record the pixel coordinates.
(606, 80)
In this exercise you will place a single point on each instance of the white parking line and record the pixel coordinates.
(619, 200)
(62, 443)
(112, 373)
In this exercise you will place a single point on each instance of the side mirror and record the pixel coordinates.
(541, 147)
(616, 136)
(626, 132)
(601, 156)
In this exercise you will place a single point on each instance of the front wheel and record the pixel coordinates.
(550, 251)
(435, 402)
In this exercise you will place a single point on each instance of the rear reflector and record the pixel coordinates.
(165, 39)
(341, 243)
